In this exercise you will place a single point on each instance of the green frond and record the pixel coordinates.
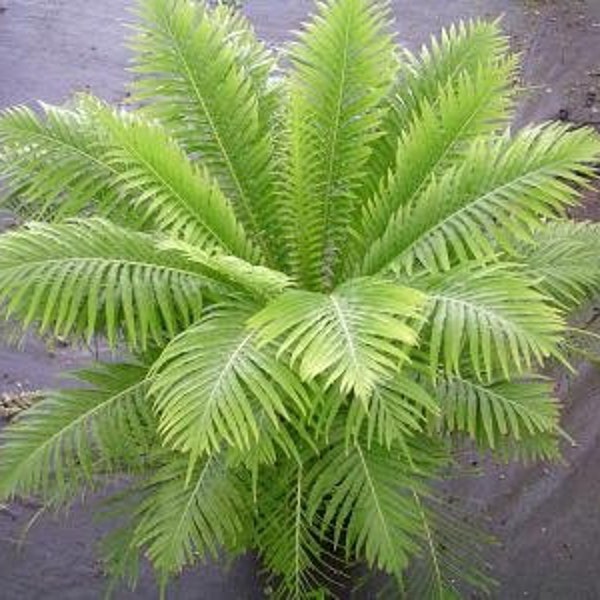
(490, 319)
(343, 65)
(64, 440)
(471, 106)
(121, 561)
(258, 281)
(459, 48)
(355, 336)
(92, 160)
(288, 541)
(257, 61)
(499, 410)
(154, 175)
(531, 447)
(186, 516)
(365, 496)
(564, 259)
(399, 406)
(500, 192)
(460, 53)
(213, 385)
(89, 276)
(451, 560)
(53, 164)
(396, 408)
(192, 66)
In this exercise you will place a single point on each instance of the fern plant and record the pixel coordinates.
(321, 274)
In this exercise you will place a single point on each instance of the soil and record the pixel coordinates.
(547, 517)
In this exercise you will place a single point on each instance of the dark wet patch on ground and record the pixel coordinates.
(547, 517)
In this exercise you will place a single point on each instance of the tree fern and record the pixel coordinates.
(327, 273)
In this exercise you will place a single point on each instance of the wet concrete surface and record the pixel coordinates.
(547, 517)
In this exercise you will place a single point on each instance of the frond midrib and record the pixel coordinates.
(192, 497)
(175, 194)
(466, 207)
(488, 391)
(297, 535)
(374, 496)
(430, 544)
(481, 309)
(107, 261)
(74, 148)
(86, 416)
(227, 368)
(345, 329)
(240, 190)
(336, 128)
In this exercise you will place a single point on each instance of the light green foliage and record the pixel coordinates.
(327, 273)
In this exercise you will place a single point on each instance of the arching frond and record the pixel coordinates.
(186, 515)
(53, 164)
(452, 557)
(155, 176)
(491, 319)
(564, 258)
(460, 53)
(288, 540)
(468, 107)
(355, 336)
(92, 160)
(499, 410)
(531, 447)
(255, 58)
(213, 384)
(259, 281)
(89, 276)
(500, 191)
(396, 408)
(60, 443)
(367, 499)
(343, 66)
(192, 77)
